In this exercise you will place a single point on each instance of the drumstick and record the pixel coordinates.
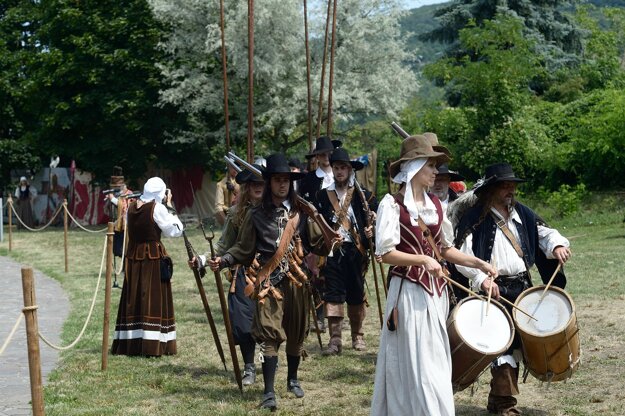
(490, 288)
(542, 296)
(470, 292)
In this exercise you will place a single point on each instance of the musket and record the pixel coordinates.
(223, 304)
(231, 163)
(199, 273)
(368, 216)
(397, 128)
(330, 237)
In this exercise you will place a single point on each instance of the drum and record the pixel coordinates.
(476, 339)
(551, 347)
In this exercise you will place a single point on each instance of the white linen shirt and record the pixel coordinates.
(169, 224)
(503, 256)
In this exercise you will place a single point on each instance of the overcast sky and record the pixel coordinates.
(411, 4)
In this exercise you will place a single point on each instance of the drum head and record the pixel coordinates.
(488, 334)
(552, 316)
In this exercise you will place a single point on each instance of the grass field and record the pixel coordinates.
(194, 381)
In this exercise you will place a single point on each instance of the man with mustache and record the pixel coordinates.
(513, 238)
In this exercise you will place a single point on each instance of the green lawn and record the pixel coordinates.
(194, 381)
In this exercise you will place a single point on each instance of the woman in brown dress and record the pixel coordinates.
(145, 319)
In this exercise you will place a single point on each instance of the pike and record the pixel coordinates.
(223, 304)
(367, 211)
(199, 273)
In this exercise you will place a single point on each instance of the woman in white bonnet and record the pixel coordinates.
(145, 319)
(24, 195)
(413, 371)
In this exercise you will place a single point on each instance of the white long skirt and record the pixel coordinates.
(413, 371)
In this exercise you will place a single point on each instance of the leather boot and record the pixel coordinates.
(336, 343)
(356, 314)
(503, 388)
(249, 374)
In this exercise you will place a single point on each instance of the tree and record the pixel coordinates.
(17, 21)
(556, 37)
(93, 87)
(489, 92)
(370, 77)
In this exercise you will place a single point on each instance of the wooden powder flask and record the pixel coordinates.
(299, 248)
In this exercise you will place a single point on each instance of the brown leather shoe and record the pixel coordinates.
(332, 349)
(358, 344)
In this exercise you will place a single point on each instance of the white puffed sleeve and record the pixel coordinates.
(549, 239)
(169, 224)
(387, 226)
(447, 232)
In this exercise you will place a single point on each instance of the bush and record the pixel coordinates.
(566, 200)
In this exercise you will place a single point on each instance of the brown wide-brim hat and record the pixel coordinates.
(416, 147)
(433, 139)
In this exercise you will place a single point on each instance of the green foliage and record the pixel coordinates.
(566, 201)
(557, 40)
(93, 87)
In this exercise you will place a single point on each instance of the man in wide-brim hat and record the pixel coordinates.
(322, 177)
(314, 181)
(343, 273)
(441, 186)
(272, 231)
(502, 231)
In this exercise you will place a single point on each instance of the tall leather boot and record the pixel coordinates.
(356, 314)
(503, 388)
(334, 313)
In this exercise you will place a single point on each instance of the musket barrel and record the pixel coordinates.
(232, 164)
(245, 165)
(399, 130)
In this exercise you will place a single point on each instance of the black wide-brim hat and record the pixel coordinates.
(278, 163)
(453, 176)
(323, 145)
(246, 176)
(499, 172)
(340, 155)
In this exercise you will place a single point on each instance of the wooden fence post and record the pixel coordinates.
(32, 337)
(10, 205)
(107, 294)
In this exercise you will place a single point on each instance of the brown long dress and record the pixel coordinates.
(145, 319)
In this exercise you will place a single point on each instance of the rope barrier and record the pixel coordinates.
(58, 210)
(82, 331)
(79, 225)
(10, 337)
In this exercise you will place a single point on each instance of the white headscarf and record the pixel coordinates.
(23, 179)
(154, 190)
(407, 171)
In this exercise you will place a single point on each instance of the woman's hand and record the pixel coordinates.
(488, 269)
(369, 231)
(432, 266)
